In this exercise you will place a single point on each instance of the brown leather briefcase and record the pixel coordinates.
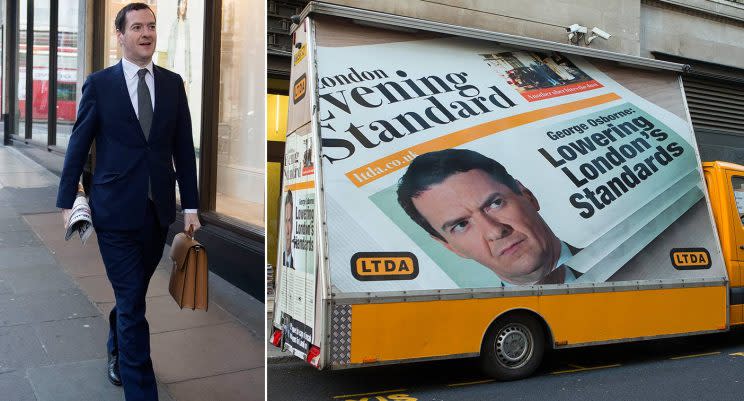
(189, 277)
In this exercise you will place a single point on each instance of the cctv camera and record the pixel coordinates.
(576, 28)
(602, 34)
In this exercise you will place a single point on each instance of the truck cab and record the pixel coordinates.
(725, 183)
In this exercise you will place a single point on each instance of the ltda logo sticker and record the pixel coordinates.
(690, 258)
(299, 88)
(383, 266)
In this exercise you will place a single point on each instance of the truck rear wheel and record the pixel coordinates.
(513, 347)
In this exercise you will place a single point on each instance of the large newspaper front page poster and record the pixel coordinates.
(298, 256)
(452, 163)
(295, 306)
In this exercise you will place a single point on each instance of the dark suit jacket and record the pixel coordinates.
(124, 159)
(287, 263)
(558, 275)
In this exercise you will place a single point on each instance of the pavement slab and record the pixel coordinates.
(247, 385)
(163, 317)
(15, 386)
(21, 348)
(14, 239)
(78, 381)
(44, 307)
(105, 308)
(25, 196)
(245, 308)
(218, 349)
(73, 252)
(98, 288)
(74, 340)
(5, 287)
(11, 224)
(159, 284)
(39, 278)
(84, 268)
(21, 257)
(18, 166)
(34, 179)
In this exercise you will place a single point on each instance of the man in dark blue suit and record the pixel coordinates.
(138, 115)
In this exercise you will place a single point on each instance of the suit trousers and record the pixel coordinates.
(130, 258)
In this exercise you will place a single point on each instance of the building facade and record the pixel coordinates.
(218, 49)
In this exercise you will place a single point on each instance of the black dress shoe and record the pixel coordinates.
(113, 370)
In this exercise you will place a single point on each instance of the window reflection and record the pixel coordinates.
(2, 63)
(21, 85)
(40, 95)
(241, 142)
(70, 65)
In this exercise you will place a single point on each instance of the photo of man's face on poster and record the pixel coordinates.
(287, 259)
(473, 207)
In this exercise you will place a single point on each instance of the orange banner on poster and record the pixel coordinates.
(379, 168)
(300, 185)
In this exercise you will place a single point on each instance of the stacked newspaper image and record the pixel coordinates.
(80, 219)
(611, 251)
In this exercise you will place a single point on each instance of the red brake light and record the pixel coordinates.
(276, 337)
(313, 356)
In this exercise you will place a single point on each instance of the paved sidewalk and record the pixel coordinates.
(55, 298)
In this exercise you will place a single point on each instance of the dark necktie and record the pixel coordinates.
(144, 103)
(144, 107)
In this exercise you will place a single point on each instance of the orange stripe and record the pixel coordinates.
(300, 185)
(402, 158)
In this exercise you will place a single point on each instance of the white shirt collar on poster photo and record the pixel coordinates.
(562, 259)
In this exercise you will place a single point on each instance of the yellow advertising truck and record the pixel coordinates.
(452, 192)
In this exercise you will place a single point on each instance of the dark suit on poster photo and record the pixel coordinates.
(287, 259)
(137, 114)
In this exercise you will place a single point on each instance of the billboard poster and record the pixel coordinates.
(295, 309)
(295, 306)
(455, 163)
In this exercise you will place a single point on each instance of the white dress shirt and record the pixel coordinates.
(132, 80)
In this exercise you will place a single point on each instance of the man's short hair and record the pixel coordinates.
(434, 167)
(120, 22)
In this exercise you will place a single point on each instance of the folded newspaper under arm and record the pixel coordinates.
(80, 219)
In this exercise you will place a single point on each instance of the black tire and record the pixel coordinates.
(513, 347)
